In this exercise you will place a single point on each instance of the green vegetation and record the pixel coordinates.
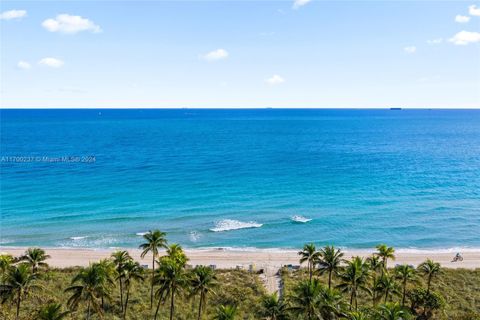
(329, 288)
(370, 291)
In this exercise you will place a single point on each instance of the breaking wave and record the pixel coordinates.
(77, 238)
(300, 219)
(230, 224)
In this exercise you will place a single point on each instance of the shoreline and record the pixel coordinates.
(226, 258)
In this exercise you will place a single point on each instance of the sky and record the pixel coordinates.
(240, 54)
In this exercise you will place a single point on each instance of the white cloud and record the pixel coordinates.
(215, 55)
(435, 41)
(65, 23)
(13, 14)
(410, 49)
(465, 37)
(274, 80)
(474, 11)
(461, 19)
(51, 62)
(23, 65)
(300, 3)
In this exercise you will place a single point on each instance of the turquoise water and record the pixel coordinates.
(241, 178)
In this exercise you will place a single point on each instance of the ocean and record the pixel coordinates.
(262, 178)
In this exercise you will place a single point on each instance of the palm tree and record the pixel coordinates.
(171, 278)
(375, 265)
(35, 258)
(310, 255)
(88, 286)
(331, 304)
(405, 273)
(354, 278)
(120, 258)
(273, 307)
(154, 240)
(6, 262)
(133, 272)
(52, 311)
(329, 261)
(388, 286)
(304, 301)
(430, 269)
(424, 304)
(175, 252)
(392, 311)
(202, 282)
(226, 312)
(385, 253)
(107, 269)
(17, 284)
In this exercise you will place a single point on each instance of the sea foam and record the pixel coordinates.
(194, 236)
(230, 224)
(77, 238)
(300, 219)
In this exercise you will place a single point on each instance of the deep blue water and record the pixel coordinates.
(410, 178)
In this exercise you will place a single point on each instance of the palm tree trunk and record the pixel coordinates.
(126, 303)
(18, 305)
(121, 293)
(200, 306)
(373, 291)
(404, 293)
(153, 274)
(158, 307)
(330, 279)
(428, 283)
(356, 301)
(172, 305)
(386, 296)
(351, 300)
(310, 270)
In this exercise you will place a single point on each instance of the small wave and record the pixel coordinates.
(141, 234)
(77, 238)
(300, 219)
(88, 242)
(194, 236)
(230, 224)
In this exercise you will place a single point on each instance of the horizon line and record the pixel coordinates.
(239, 108)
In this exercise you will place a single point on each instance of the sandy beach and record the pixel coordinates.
(230, 258)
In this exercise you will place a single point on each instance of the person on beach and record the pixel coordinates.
(458, 257)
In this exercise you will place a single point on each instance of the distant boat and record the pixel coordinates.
(395, 108)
